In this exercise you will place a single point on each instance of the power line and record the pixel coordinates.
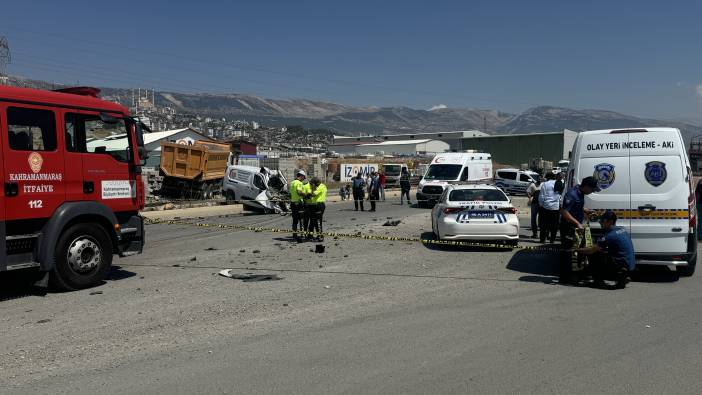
(73, 39)
(195, 88)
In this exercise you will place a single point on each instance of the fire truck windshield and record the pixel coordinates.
(105, 138)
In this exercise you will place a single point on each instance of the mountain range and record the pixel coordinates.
(344, 119)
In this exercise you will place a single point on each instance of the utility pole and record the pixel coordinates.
(5, 59)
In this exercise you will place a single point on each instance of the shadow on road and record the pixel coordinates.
(542, 267)
(20, 283)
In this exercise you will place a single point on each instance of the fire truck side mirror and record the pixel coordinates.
(140, 128)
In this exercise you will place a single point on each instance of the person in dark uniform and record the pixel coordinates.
(613, 255)
(358, 186)
(572, 220)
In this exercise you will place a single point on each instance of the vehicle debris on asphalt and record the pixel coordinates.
(249, 277)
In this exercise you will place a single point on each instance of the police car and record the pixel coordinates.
(475, 212)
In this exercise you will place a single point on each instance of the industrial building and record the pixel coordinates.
(403, 148)
(346, 145)
(516, 149)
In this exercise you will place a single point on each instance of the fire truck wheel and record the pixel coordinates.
(83, 257)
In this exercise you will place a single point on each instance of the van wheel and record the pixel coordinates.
(689, 270)
(231, 199)
(83, 257)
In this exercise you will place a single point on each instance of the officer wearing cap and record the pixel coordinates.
(297, 191)
(613, 254)
(572, 218)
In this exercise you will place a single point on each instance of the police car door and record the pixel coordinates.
(659, 193)
(605, 156)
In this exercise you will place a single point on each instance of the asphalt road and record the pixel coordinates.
(363, 317)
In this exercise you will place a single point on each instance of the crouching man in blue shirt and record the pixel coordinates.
(612, 257)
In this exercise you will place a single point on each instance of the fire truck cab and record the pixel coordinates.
(71, 168)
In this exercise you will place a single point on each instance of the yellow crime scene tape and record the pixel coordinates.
(579, 261)
(358, 235)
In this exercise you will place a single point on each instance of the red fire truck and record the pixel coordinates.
(71, 165)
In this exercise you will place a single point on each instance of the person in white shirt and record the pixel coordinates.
(549, 207)
(533, 195)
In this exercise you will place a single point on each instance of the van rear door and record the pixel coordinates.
(605, 156)
(659, 193)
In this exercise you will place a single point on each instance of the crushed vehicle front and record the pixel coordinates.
(275, 195)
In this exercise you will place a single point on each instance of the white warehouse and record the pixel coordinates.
(403, 147)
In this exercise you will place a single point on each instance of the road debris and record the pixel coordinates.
(392, 222)
(319, 248)
(96, 293)
(249, 277)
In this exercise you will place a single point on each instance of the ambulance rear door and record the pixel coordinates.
(659, 193)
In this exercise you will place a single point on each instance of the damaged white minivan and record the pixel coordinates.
(258, 188)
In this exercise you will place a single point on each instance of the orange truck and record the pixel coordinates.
(193, 171)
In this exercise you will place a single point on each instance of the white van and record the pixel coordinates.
(515, 180)
(256, 187)
(453, 167)
(562, 166)
(646, 179)
(392, 173)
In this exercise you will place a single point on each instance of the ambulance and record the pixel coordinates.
(453, 167)
(646, 179)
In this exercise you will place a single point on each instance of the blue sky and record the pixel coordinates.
(638, 57)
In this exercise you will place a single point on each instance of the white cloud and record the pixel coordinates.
(442, 106)
(698, 89)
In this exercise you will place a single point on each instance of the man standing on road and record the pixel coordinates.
(572, 220)
(549, 203)
(559, 187)
(297, 190)
(612, 255)
(381, 185)
(533, 195)
(405, 186)
(373, 191)
(318, 205)
(307, 199)
(358, 186)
